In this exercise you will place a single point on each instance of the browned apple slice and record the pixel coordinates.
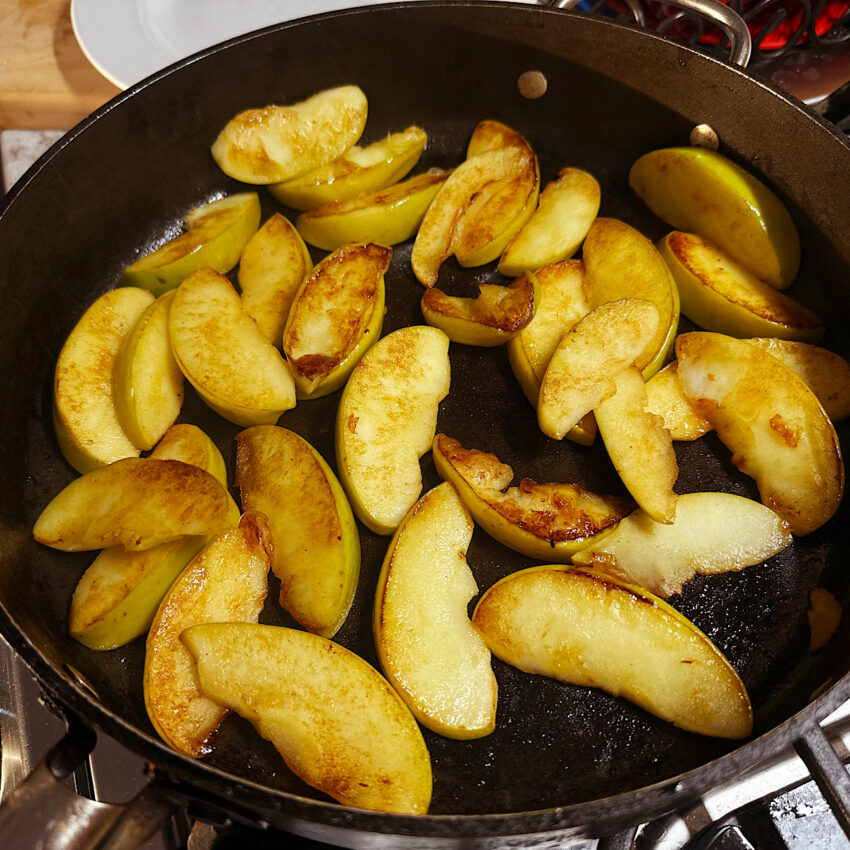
(771, 421)
(665, 399)
(589, 629)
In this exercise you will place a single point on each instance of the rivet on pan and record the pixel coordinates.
(703, 136)
(532, 84)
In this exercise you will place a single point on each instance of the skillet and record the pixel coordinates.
(563, 761)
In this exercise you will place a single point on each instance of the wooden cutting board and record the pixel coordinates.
(46, 82)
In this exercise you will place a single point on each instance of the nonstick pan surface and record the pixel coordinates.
(121, 182)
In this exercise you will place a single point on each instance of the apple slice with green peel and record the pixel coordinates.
(224, 355)
(543, 521)
(665, 398)
(136, 503)
(226, 582)
(591, 630)
(712, 533)
(336, 315)
(771, 421)
(428, 649)
(826, 374)
(566, 209)
(701, 191)
(117, 596)
(720, 295)
(316, 544)
(85, 415)
(639, 446)
(560, 304)
(363, 747)
(442, 224)
(386, 421)
(278, 143)
(495, 316)
(148, 383)
(215, 236)
(387, 217)
(273, 265)
(620, 262)
(357, 172)
(583, 368)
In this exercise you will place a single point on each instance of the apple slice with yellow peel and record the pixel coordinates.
(664, 398)
(225, 357)
(771, 421)
(316, 544)
(544, 521)
(387, 217)
(336, 315)
(826, 374)
(273, 265)
(583, 368)
(701, 191)
(136, 503)
(566, 209)
(495, 316)
(358, 171)
(278, 143)
(226, 582)
(148, 383)
(620, 262)
(363, 747)
(720, 295)
(712, 533)
(85, 415)
(386, 421)
(215, 236)
(117, 596)
(639, 446)
(591, 630)
(428, 649)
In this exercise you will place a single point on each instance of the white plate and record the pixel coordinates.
(127, 40)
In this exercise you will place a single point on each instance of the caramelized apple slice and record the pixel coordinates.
(589, 629)
(664, 398)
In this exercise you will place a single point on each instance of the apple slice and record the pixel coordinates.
(225, 583)
(826, 374)
(386, 421)
(543, 521)
(358, 171)
(701, 191)
(316, 544)
(273, 265)
(665, 398)
(148, 383)
(586, 362)
(620, 262)
(85, 416)
(117, 596)
(589, 629)
(566, 209)
(335, 316)
(278, 143)
(771, 421)
(427, 647)
(136, 503)
(387, 217)
(495, 316)
(363, 747)
(222, 352)
(490, 135)
(639, 446)
(712, 533)
(216, 234)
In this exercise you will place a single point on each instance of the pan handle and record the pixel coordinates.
(732, 24)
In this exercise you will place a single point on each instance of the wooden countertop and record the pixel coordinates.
(46, 82)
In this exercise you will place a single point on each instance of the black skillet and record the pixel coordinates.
(563, 760)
